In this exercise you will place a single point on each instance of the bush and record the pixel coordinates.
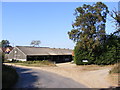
(103, 57)
(107, 57)
(104, 54)
(16, 61)
(9, 76)
(81, 55)
(34, 62)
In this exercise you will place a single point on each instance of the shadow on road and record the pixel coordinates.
(35, 78)
(26, 78)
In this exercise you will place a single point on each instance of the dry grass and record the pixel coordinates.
(113, 79)
(115, 69)
(114, 74)
(35, 63)
(92, 67)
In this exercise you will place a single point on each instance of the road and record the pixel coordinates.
(35, 78)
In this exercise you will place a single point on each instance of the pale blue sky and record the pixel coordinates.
(48, 22)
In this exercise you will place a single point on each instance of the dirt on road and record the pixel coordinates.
(92, 76)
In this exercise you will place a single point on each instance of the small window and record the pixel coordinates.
(15, 51)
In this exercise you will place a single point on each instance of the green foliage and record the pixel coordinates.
(34, 63)
(4, 43)
(81, 55)
(88, 32)
(89, 26)
(110, 52)
(46, 62)
(9, 76)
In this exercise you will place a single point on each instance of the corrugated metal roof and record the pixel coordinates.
(28, 50)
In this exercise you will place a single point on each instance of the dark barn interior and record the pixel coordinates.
(55, 58)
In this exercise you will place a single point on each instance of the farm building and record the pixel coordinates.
(6, 50)
(29, 53)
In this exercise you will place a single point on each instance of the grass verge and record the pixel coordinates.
(9, 76)
(114, 74)
(91, 67)
(35, 63)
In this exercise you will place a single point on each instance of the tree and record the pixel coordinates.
(4, 43)
(110, 54)
(89, 27)
(116, 16)
(35, 43)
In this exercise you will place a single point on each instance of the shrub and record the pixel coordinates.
(81, 55)
(38, 61)
(105, 57)
(9, 76)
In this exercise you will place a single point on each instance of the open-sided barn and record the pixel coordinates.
(29, 53)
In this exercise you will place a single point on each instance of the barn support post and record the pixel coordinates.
(58, 58)
(69, 58)
(44, 57)
(64, 58)
(36, 58)
(52, 58)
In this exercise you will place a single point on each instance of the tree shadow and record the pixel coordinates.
(26, 78)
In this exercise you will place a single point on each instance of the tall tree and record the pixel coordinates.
(89, 26)
(35, 43)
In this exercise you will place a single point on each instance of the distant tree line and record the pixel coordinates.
(92, 42)
(35, 43)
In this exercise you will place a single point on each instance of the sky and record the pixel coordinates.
(48, 22)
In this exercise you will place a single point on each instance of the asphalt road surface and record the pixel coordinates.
(35, 78)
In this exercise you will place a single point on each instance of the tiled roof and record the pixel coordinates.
(5, 48)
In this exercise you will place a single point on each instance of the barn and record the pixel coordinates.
(29, 53)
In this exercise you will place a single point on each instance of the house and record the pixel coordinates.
(7, 50)
(73, 53)
(29, 53)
